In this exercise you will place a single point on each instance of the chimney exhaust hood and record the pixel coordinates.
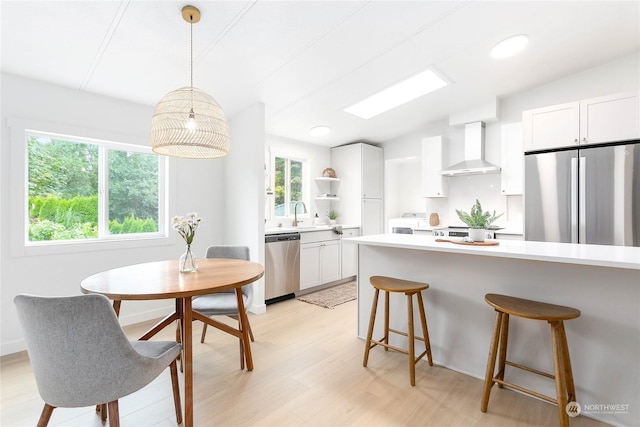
(474, 162)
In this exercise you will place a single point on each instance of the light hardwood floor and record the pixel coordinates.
(308, 371)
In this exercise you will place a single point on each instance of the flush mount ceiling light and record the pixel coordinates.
(319, 131)
(509, 46)
(188, 122)
(398, 94)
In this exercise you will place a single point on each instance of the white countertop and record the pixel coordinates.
(304, 228)
(507, 230)
(597, 255)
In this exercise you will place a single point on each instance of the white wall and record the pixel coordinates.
(243, 205)
(200, 185)
(620, 75)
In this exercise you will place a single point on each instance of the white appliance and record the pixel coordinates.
(407, 222)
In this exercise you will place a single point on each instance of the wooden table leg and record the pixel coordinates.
(187, 339)
(116, 307)
(244, 322)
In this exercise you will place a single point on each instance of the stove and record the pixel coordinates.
(459, 231)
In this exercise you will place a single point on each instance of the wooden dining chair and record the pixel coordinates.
(225, 303)
(81, 356)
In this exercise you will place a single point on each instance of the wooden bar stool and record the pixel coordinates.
(389, 284)
(555, 315)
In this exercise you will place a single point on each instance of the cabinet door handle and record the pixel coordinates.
(584, 139)
(575, 140)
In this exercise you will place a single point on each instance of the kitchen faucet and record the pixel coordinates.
(295, 212)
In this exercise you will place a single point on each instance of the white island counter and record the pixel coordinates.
(601, 281)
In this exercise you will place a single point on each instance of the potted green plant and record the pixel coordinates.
(332, 215)
(477, 220)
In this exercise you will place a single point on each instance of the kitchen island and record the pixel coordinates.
(601, 281)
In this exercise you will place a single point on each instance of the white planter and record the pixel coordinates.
(477, 234)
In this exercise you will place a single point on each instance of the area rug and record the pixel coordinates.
(330, 297)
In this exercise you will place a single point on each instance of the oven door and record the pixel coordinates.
(401, 230)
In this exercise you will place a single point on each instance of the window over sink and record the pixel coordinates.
(291, 185)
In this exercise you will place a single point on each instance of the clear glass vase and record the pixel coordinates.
(187, 262)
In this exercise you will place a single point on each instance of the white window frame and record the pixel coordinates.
(305, 185)
(19, 215)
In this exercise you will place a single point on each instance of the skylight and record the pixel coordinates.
(398, 94)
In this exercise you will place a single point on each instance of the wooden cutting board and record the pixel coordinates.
(459, 242)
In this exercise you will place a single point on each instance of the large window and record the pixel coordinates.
(80, 189)
(290, 183)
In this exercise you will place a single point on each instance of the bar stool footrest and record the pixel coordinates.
(528, 369)
(400, 350)
(405, 334)
(392, 347)
(525, 390)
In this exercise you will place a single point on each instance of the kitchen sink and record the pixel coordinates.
(300, 228)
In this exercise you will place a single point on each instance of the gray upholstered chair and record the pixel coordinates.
(225, 303)
(81, 356)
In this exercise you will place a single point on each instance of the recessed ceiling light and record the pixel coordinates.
(398, 94)
(319, 131)
(509, 46)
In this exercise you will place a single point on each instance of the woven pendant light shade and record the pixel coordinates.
(188, 122)
(174, 133)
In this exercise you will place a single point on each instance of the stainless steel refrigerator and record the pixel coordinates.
(586, 195)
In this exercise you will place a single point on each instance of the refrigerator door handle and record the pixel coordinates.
(574, 200)
(582, 200)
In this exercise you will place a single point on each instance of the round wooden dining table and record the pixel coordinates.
(163, 280)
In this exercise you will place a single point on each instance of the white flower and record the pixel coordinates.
(186, 226)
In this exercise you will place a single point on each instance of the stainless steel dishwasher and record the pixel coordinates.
(282, 266)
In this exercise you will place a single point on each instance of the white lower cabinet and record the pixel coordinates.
(310, 265)
(349, 253)
(319, 258)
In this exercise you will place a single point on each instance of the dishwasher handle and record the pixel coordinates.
(274, 238)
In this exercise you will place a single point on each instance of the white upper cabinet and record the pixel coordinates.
(372, 172)
(512, 165)
(361, 170)
(434, 159)
(591, 121)
(610, 118)
(551, 127)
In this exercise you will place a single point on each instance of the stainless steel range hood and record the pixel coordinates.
(474, 162)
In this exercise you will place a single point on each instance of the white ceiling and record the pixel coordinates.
(307, 60)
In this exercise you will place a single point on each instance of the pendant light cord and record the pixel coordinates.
(191, 112)
(191, 45)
